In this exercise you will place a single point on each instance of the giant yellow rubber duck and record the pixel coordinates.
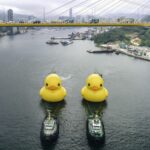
(53, 91)
(94, 91)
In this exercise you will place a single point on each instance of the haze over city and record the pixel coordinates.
(80, 7)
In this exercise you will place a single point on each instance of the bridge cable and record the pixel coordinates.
(79, 4)
(88, 7)
(63, 5)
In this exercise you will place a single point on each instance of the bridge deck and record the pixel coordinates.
(70, 24)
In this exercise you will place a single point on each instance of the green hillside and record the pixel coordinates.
(122, 34)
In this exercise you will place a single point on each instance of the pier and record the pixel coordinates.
(123, 51)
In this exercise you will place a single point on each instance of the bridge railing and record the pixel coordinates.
(63, 24)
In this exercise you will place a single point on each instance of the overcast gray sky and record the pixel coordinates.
(80, 7)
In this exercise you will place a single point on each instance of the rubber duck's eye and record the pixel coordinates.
(101, 85)
(89, 84)
(58, 84)
(46, 84)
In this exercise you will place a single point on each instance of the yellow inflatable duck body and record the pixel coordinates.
(53, 91)
(94, 91)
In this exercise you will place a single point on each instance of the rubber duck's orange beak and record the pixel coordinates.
(52, 88)
(95, 88)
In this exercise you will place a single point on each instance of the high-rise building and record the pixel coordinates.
(10, 15)
(70, 13)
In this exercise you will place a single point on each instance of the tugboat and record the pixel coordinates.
(50, 128)
(95, 129)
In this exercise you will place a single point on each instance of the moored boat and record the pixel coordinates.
(66, 42)
(100, 51)
(52, 42)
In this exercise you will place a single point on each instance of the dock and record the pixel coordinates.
(123, 51)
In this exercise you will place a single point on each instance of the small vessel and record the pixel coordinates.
(52, 42)
(66, 42)
(95, 129)
(50, 128)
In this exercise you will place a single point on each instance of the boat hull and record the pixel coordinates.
(99, 139)
(100, 51)
(52, 43)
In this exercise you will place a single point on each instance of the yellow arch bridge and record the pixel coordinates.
(71, 24)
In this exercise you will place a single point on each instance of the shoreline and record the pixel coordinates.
(123, 51)
(117, 50)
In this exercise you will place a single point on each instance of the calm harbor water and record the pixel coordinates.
(25, 60)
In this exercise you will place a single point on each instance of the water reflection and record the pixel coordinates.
(55, 109)
(48, 146)
(92, 108)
